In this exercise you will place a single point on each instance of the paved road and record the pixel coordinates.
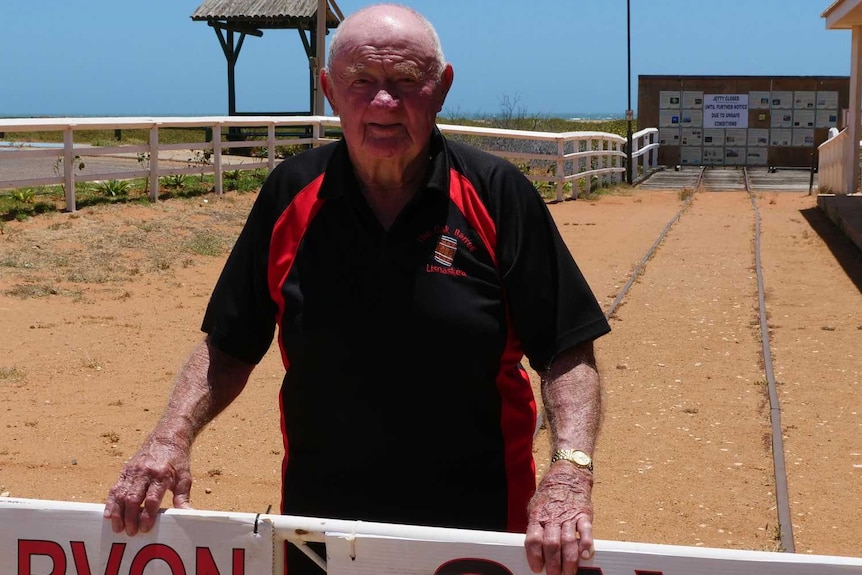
(16, 168)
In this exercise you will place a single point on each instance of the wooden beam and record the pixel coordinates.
(322, 7)
(250, 30)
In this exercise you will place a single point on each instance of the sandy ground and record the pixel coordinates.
(100, 308)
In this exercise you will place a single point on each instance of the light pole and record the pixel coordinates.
(629, 112)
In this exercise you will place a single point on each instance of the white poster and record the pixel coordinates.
(713, 156)
(803, 138)
(669, 100)
(735, 137)
(782, 119)
(803, 118)
(713, 137)
(758, 137)
(692, 100)
(827, 101)
(803, 100)
(782, 100)
(826, 118)
(780, 137)
(668, 118)
(757, 156)
(668, 136)
(691, 156)
(734, 156)
(725, 110)
(692, 137)
(758, 100)
(692, 118)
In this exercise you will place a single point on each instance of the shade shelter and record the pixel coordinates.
(233, 20)
(847, 15)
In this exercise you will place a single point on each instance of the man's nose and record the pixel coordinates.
(385, 99)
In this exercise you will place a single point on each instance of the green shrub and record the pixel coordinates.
(175, 181)
(114, 188)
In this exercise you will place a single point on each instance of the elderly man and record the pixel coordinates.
(408, 276)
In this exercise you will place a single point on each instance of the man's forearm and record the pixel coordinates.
(207, 384)
(572, 399)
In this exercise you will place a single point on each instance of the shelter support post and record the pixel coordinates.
(851, 164)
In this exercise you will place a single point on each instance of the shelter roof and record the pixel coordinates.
(843, 14)
(265, 13)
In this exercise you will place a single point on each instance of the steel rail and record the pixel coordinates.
(785, 524)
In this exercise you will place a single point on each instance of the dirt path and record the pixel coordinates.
(687, 421)
(814, 305)
(100, 308)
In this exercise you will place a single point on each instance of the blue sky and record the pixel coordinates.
(112, 57)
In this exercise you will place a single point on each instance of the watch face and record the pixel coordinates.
(581, 458)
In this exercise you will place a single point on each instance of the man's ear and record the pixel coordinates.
(326, 86)
(445, 83)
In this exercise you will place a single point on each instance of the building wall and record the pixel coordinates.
(741, 120)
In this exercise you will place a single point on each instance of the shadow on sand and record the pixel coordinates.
(846, 253)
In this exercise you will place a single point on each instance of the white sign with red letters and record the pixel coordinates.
(61, 538)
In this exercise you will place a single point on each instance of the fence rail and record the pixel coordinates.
(575, 160)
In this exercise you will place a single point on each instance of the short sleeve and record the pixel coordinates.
(551, 304)
(240, 317)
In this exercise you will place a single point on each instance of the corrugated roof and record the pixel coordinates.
(261, 10)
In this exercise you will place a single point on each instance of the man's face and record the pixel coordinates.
(383, 82)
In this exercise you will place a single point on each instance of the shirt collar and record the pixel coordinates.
(340, 177)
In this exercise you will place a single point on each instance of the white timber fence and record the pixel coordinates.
(568, 163)
(831, 163)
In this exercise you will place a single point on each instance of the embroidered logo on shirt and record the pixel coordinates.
(444, 252)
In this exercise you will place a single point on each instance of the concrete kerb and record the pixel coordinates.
(846, 212)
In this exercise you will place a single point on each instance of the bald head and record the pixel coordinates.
(382, 21)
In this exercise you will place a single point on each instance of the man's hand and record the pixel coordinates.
(158, 466)
(560, 520)
(209, 382)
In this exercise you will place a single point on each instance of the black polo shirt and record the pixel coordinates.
(404, 400)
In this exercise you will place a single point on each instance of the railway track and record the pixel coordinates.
(706, 180)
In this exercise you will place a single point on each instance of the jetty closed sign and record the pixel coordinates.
(725, 110)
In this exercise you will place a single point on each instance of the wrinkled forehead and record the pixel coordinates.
(385, 40)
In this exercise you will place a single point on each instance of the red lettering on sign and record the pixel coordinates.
(27, 548)
(472, 566)
(153, 552)
(79, 556)
(205, 564)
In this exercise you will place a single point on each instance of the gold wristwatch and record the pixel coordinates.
(574, 456)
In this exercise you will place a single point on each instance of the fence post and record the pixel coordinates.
(560, 174)
(154, 162)
(315, 133)
(69, 168)
(270, 146)
(653, 151)
(217, 173)
(604, 159)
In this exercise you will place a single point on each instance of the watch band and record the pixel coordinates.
(576, 457)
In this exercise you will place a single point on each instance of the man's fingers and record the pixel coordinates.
(551, 549)
(182, 492)
(586, 545)
(533, 545)
(570, 550)
(114, 512)
(153, 500)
